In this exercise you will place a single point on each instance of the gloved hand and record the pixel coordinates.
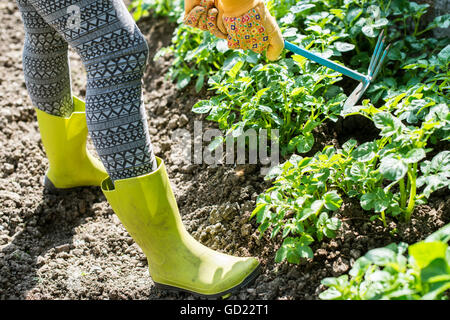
(249, 25)
(203, 15)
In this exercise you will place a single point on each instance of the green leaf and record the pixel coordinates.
(379, 276)
(215, 143)
(304, 143)
(360, 266)
(436, 271)
(230, 62)
(349, 145)
(441, 22)
(330, 294)
(281, 254)
(442, 234)
(290, 32)
(343, 46)
(329, 282)
(365, 152)
(332, 201)
(199, 83)
(415, 155)
(300, 7)
(222, 46)
(203, 106)
(183, 81)
(236, 68)
(433, 183)
(309, 126)
(304, 252)
(298, 91)
(305, 240)
(265, 109)
(338, 13)
(340, 281)
(329, 233)
(352, 15)
(260, 211)
(435, 294)
(322, 218)
(441, 162)
(425, 252)
(357, 170)
(288, 19)
(444, 55)
(387, 123)
(380, 23)
(368, 200)
(393, 169)
(381, 256)
(377, 201)
(293, 250)
(369, 30)
(333, 224)
(317, 205)
(273, 173)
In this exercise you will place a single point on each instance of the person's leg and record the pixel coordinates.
(114, 53)
(45, 64)
(61, 117)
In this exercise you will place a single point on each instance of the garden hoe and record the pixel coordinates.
(364, 80)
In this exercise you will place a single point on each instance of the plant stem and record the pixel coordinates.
(412, 193)
(408, 184)
(383, 218)
(423, 31)
(402, 193)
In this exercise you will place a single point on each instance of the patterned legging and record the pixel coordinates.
(114, 53)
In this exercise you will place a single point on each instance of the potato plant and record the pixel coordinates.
(397, 158)
(301, 204)
(420, 271)
(279, 99)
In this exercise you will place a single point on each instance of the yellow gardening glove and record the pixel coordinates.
(249, 25)
(203, 15)
(189, 5)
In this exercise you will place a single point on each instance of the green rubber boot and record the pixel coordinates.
(147, 208)
(64, 140)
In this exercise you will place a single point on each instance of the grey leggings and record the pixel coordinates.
(114, 53)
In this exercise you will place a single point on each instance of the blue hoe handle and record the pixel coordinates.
(326, 62)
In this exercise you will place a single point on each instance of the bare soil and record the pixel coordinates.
(72, 246)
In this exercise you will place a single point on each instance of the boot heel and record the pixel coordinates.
(50, 187)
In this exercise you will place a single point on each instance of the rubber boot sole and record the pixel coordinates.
(222, 295)
(50, 187)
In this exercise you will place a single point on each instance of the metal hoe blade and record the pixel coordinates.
(376, 62)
